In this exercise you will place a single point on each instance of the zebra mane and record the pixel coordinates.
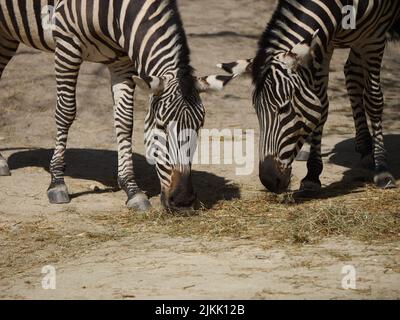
(185, 70)
(263, 56)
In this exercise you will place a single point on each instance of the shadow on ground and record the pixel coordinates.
(101, 166)
(344, 155)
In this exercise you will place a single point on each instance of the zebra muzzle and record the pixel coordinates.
(274, 176)
(181, 193)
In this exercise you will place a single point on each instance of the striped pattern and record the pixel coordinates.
(291, 72)
(142, 38)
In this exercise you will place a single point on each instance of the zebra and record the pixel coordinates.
(143, 43)
(291, 71)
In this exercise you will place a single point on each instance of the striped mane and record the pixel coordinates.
(186, 72)
(263, 54)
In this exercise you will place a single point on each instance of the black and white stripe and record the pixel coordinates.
(141, 42)
(291, 72)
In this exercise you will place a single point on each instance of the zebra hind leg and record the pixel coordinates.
(374, 105)
(123, 91)
(67, 70)
(354, 73)
(7, 51)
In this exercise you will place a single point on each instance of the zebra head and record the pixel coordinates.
(287, 106)
(172, 125)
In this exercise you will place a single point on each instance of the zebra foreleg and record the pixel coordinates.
(67, 65)
(354, 72)
(311, 184)
(7, 51)
(374, 104)
(123, 91)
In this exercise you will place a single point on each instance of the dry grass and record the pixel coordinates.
(367, 215)
(371, 215)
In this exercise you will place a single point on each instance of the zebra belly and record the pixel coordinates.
(101, 53)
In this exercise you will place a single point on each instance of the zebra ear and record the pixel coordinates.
(153, 85)
(239, 67)
(212, 83)
(302, 53)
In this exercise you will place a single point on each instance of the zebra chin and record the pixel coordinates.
(180, 195)
(274, 176)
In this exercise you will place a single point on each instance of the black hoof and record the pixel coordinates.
(303, 156)
(385, 180)
(4, 170)
(308, 189)
(58, 194)
(139, 202)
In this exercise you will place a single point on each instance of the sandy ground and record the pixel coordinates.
(145, 265)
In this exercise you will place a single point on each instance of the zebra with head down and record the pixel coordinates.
(290, 73)
(142, 42)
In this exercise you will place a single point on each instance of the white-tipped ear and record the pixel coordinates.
(302, 53)
(212, 83)
(153, 85)
(240, 67)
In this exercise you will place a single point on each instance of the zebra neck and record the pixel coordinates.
(296, 21)
(155, 39)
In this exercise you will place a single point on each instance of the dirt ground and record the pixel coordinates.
(100, 251)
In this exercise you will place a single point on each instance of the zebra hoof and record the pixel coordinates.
(308, 189)
(58, 194)
(311, 186)
(385, 180)
(139, 202)
(4, 169)
(303, 156)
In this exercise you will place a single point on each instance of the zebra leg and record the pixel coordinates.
(67, 65)
(311, 183)
(354, 72)
(374, 104)
(7, 51)
(123, 90)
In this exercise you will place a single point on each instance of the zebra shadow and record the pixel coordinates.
(356, 176)
(101, 166)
